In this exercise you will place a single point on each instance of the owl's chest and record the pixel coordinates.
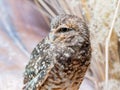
(65, 78)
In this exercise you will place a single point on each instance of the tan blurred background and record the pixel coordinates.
(23, 24)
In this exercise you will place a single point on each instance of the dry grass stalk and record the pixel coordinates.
(107, 46)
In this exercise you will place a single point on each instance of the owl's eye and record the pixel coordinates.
(64, 30)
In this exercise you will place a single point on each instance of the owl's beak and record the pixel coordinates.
(52, 36)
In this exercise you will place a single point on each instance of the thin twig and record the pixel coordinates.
(107, 46)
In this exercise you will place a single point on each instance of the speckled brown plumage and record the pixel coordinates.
(59, 61)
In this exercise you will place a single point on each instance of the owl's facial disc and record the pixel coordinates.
(62, 34)
(67, 29)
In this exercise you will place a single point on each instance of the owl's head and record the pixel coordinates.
(68, 29)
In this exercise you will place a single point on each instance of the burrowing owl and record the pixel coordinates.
(59, 61)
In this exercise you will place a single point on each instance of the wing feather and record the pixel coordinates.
(39, 66)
